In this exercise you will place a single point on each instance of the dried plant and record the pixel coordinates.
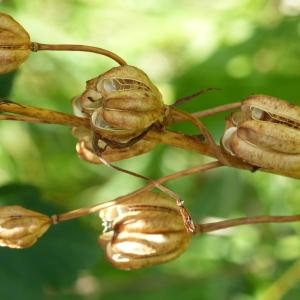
(121, 114)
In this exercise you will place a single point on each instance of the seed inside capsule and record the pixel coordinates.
(227, 138)
(257, 113)
(98, 121)
(91, 100)
(107, 85)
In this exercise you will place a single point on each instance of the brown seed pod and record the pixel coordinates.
(86, 152)
(121, 103)
(266, 134)
(144, 231)
(14, 44)
(21, 227)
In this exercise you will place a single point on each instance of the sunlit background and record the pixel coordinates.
(240, 46)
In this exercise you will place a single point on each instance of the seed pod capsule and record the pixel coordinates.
(21, 227)
(122, 103)
(266, 134)
(14, 44)
(145, 231)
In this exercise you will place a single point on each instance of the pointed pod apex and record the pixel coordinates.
(21, 227)
(14, 44)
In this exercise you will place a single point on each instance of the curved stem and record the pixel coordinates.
(95, 208)
(214, 226)
(69, 47)
(208, 137)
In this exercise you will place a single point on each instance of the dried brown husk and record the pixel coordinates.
(14, 44)
(86, 152)
(145, 231)
(121, 103)
(21, 227)
(266, 134)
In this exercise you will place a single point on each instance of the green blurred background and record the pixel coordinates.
(240, 46)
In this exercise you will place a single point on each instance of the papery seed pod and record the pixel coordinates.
(14, 44)
(121, 103)
(144, 231)
(21, 227)
(266, 134)
(86, 152)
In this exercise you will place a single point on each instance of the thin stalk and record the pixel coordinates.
(95, 208)
(209, 140)
(214, 226)
(194, 95)
(68, 47)
(215, 110)
(207, 112)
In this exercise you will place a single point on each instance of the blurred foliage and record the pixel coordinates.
(242, 47)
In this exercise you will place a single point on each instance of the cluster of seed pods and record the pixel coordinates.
(120, 106)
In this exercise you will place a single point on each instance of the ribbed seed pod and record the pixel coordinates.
(145, 231)
(14, 44)
(21, 227)
(121, 103)
(266, 134)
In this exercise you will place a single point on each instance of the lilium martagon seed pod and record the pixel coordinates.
(85, 151)
(144, 231)
(15, 45)
(21, 227)
(266, 134)
(122, 103)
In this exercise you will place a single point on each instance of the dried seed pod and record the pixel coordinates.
(14, 44)
(86, 152)
(122, 103)
(21, 227)
(144, 231)
(266, 134)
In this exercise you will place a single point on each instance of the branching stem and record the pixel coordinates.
(95, 208)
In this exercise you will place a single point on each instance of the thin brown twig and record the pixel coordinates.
(194, 95)
(215, 110)
(207, 112)
(68, 47)
(214, 226)
(95, 208)
(203, 130)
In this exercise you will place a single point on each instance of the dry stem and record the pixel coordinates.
(67, 47)
(214, 226)
(39, 115)
(95, 208)
(180, 140)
